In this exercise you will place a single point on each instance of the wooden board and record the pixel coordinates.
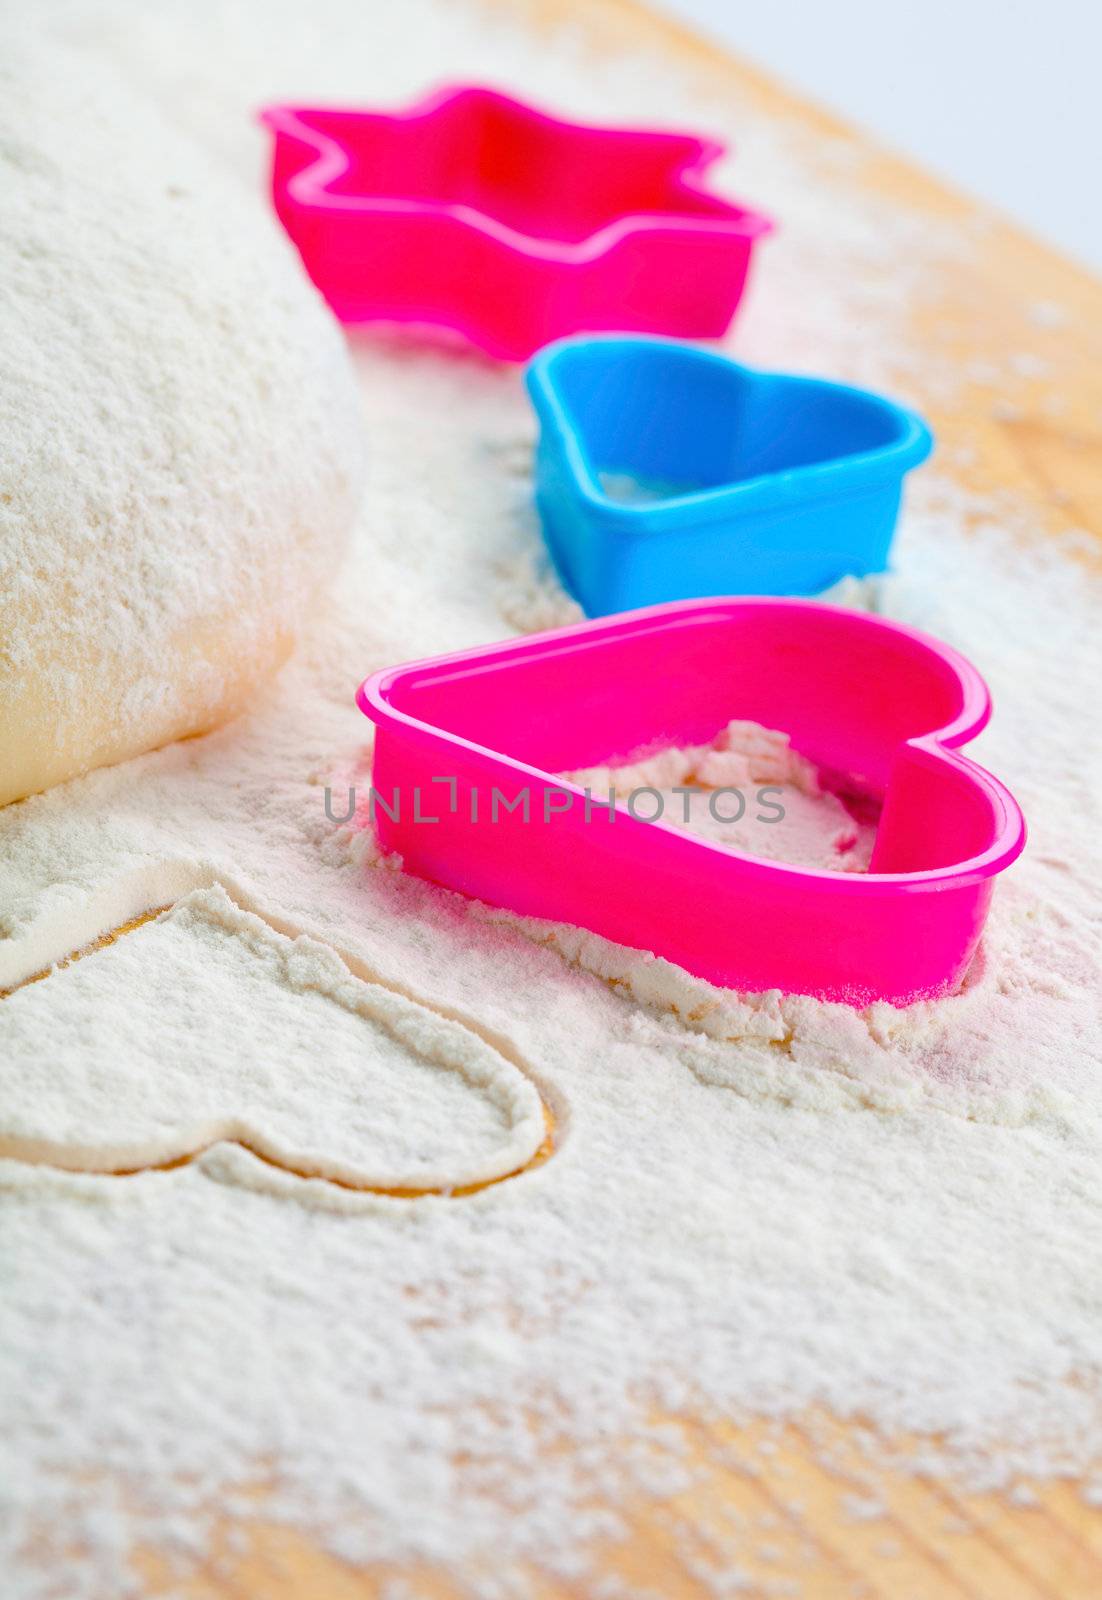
(800, 1526)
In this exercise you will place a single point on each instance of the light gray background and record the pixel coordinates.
(1002, 97)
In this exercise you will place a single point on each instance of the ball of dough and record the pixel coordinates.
(180, 447)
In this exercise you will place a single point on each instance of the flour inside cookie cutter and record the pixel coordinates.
(878, 707)
(475, 212)
(665, 472)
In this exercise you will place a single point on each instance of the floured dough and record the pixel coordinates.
(181, 446)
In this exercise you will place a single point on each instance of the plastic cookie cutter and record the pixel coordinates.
(480, 214)
(464, 787)
(664, 472)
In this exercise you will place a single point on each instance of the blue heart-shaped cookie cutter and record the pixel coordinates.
(666, 472)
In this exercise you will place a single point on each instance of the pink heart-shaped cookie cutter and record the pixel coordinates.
(881, 709)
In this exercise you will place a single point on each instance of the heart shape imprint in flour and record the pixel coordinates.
(206, 1024)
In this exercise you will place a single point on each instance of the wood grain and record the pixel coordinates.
(799, 1510)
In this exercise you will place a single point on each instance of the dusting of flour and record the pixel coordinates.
(757, 1204)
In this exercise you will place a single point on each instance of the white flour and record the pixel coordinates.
(746, 790)
(756, 1204)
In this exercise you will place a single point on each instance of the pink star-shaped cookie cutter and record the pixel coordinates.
(475, 212)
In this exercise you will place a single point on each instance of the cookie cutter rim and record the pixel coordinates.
(309, 186)
(911, 446)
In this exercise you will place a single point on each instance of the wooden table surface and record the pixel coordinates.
(804, 1527)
